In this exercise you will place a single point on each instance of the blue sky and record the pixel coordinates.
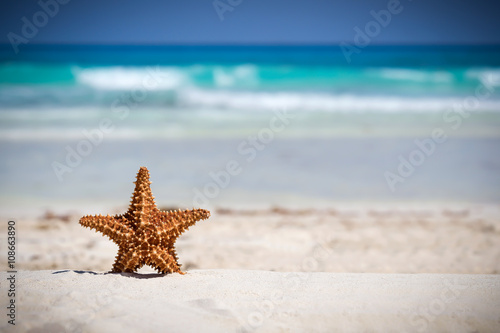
(253, 21)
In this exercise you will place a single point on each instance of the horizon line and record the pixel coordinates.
(247, 44)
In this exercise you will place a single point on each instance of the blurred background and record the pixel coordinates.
(248, 103)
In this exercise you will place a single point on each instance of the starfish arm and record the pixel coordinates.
(118, 265)
(172, 252)
(164, 262)
(177, 222)
(143, 202)
(115, 227)
(127, 260)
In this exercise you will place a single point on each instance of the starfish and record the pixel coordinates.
(144, 234)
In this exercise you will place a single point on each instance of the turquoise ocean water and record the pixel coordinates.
(301, 122)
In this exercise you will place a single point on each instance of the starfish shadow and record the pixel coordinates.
(141, 276)
(77, 272)
(131, 275)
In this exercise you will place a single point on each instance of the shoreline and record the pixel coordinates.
(287, 172)
(292, 204)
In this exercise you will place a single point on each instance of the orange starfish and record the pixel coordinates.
(144, 234)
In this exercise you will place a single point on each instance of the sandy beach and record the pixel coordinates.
(342, 238)
(256, 301)
(350, 268)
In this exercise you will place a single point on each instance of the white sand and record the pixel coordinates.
(237, 281)
(260, 301)
(455, 239)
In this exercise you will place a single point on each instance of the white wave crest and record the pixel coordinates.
(125, 78)
(255, 101)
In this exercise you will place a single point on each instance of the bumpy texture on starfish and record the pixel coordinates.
(144, 234)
